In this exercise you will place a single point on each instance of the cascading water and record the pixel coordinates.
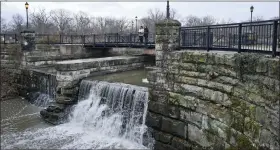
(45, 93)
(108, 115)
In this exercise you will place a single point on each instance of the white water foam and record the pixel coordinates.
(111, 117)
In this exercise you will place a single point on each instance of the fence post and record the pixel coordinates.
(84, 39)
(239, 37)
(71, 38)
(105, 35)
(194, 38)
(4, 38)
(117, 38)
(130, 39)
(16, 40)
(48, 39)
(229, 40)
(184, 38)
(94, 39)
(208, 38)
(60, 41)
(274, 38)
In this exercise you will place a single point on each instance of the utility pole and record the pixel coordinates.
(167, 10)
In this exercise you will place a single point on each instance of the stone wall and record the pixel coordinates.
(11, 56)
(215, 100)
(69, 73)
(45, 54)
(32, 82)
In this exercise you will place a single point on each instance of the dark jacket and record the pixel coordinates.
(146, 32)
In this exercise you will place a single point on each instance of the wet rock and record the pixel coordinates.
(53, 117)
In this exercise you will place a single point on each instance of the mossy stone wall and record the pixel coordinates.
(213, 100)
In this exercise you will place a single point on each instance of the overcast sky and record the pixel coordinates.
(237, 11)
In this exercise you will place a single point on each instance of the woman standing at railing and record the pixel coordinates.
(146, 33)
(141, 34)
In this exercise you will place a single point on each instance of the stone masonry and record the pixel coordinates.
(213, 100)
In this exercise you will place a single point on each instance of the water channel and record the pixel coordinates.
(92, 125)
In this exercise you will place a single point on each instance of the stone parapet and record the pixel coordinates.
(167, 39)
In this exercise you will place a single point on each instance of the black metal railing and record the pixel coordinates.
(261, 36)
(94, 39)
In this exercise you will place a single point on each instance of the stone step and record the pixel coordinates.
(80, 64)
(9, 66)
(40, 63)
(42, 53)
(9, 57)
(54, 57)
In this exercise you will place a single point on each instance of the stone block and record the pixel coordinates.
(274, 68)
(163, 109)
(191, 117)
(269, 140)
(181, 144)
(174, 127)
(153, 120)
(162, 146)
(183, 101)
(262, 66)
(163, 137)
(216, 96)
(252, 129)
(215, 127)
(200, 137)
(267, 119)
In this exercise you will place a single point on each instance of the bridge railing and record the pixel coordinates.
(94, 39)
(261, 36)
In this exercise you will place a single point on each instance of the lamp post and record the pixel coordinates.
(136, 24)
(167, 10)
(251, 9)
(26, 7)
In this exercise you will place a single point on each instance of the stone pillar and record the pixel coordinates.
(28, 40)
(167, 39)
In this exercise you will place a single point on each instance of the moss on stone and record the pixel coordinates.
(243, 143)
(175, 98)
(252, 127)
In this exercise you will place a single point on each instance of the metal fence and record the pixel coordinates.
(261, 36)
(103, 39)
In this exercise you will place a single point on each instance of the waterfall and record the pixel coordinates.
(45, 91)
(107, 116)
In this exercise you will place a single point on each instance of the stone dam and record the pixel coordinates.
(193, 99)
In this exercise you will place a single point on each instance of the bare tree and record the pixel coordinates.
(122, 25)
(208, 20)
(62, 20)
(196, 21)
(41, 21)
(82, 23)
(191, 20)
(17, 23)
(4, 26)
(223, 21)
